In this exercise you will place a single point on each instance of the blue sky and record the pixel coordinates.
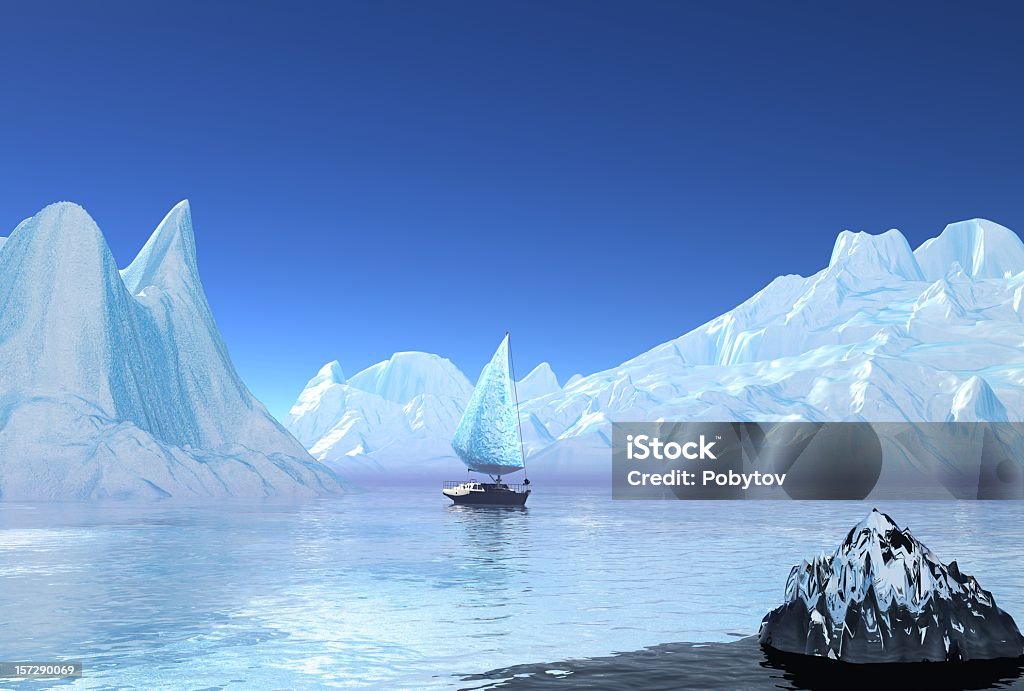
(598, 177)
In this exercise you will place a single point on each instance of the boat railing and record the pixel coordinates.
(518, 488)
(452, 484)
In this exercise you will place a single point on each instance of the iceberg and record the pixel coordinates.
(118, 385)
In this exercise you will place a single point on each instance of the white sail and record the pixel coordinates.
(487, 438)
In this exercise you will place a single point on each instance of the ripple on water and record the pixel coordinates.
(400, 590)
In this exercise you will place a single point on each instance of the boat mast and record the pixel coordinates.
(515, 398)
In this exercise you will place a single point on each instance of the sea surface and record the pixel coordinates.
(399, 589)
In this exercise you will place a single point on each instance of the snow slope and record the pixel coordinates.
(882, 333)
(117, 384)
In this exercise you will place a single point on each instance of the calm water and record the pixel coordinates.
(403, 591)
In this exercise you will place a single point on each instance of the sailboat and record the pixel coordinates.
(489, 438)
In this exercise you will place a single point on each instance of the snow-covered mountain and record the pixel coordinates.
(541, 381)
(117, 384)
(397, 415)
(882, 596)
(882, 333)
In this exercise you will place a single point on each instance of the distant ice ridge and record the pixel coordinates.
(118, 385)
(883, 333)
(882, 596)
(397, 416)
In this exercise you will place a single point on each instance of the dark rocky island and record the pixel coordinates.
(883, 597)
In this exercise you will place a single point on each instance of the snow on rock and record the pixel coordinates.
(118, 385)
(884, 597)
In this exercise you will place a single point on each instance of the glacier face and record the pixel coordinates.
(882, 596)
(882, 333)
(117, 384)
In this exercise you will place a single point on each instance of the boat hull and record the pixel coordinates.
(486, 495)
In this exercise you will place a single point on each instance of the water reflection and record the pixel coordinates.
(492, 545)
(803, 672)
